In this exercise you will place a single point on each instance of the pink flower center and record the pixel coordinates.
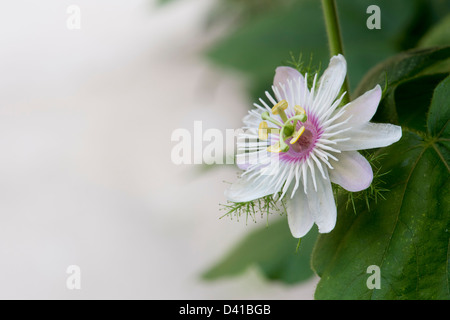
(301, 150)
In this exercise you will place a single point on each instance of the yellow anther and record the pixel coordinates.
(297, 135)
(280, 107)
(275, 148)
(263, 132)
(299, 110)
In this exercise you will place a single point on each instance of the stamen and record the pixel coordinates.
(299, 110)
(297, 135)
(262, 131)
(279, 109)
(275, 148)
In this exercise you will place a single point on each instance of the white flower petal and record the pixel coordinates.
(370, 135)
(243, 165)
(322, 205)
(244, 190)
(352, 172)
(290, 84)
(330, 84)
(263, 181)
(245, 160)
(283, 74)
(299, 216)
(362, 109)
(253, 118)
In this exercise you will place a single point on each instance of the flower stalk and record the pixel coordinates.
(334, 38)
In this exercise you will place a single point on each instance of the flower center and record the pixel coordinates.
(289, 130)
(300, 150)
(304, 142)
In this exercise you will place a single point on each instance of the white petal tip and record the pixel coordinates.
(326, 230)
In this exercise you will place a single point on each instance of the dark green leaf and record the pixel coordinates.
(439, 115)
(412, 100)
(402, 67)
(403, 71)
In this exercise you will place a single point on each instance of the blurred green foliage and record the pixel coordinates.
(438, 35)
(273, 251)
(265, 32)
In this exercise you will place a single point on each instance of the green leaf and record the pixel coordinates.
(402, 67)
(408, 235)
(273, 250)
(412, 99)
(439, 115)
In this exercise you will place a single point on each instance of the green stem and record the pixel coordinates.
(266, 116)
(334, 37)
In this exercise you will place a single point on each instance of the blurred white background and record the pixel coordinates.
(86, 178)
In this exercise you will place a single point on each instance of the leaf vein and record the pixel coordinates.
(441, 157)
